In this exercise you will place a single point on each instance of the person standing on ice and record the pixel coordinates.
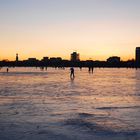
(72, 72)
(7, 70)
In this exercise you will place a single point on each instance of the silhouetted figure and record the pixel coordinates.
(89, 69)
(72, 72)
(7, 70)
(42, 68)
(92, 68)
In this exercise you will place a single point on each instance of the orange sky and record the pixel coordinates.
(95, 29)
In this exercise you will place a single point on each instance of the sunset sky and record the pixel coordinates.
(96, 29)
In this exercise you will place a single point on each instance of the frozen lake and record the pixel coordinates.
(48, 105)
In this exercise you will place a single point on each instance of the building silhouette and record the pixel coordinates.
(113, 59)
(45, 59)
(32, 60)
(137, 55)
(56, 59)
(75, 56)
(17, 57)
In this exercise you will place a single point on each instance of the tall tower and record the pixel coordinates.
(17, 57)
(137, 56)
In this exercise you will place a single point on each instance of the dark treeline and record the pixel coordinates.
(67, 63)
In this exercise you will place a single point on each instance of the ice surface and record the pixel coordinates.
(48, 105)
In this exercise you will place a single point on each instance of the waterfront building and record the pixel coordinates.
(75, 56)
(45, 59)
(137, 56)
(113, 59)
(17, 57)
